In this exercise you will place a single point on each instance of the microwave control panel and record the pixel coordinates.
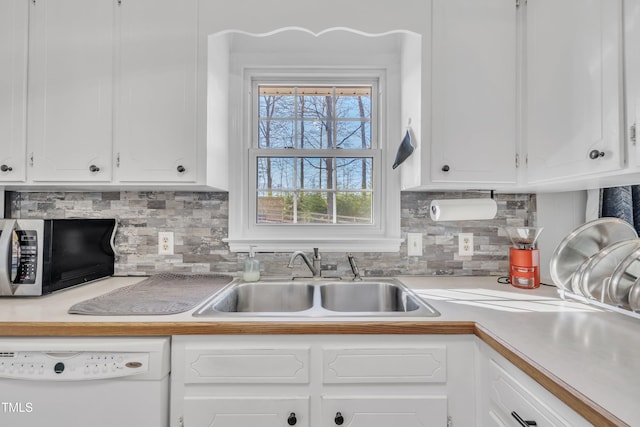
(27, 267)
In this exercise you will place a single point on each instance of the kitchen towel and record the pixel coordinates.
(164, 293)
(404, 150)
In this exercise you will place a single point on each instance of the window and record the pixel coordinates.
(315, 150)
(311, 123)
(313, 169)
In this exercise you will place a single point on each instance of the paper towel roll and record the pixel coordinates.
(463, 209)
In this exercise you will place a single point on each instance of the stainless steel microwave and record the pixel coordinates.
(40, 256)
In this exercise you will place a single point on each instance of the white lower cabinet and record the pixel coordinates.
(321, 381)
(509, 397)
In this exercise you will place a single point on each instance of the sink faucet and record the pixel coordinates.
(315, 267)
(354, 267)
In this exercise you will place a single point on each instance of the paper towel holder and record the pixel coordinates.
(463, 209)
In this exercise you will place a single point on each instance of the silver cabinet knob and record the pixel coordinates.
(5, 168)
(181, 169)
(94, 168)
(595, 154)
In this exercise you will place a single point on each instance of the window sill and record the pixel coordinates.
(324, 244)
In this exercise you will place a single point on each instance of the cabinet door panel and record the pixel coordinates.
(13, 90)
(70, 89)
(258, 366)
(385, 411)
(274, 411)
(384, 365)
(474, 91)
(573, 88)
(156, 110)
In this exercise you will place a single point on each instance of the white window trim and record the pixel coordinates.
(383, 236)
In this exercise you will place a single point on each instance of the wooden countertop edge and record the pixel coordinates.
(567, 394)
(105, 329)
(584, 406)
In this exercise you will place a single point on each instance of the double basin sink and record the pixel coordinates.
(315, 298)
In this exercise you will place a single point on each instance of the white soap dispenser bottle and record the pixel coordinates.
(251, 272)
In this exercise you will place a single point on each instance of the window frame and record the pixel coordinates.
(375, 152)
(383, 235)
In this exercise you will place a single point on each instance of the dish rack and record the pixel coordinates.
(568, 295)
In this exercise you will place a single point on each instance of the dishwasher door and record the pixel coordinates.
(79, 382)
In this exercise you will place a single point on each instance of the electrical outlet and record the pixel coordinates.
(414, 244)
(165, 243)
(465, 244)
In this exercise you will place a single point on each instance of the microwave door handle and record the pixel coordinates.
(112, 241)
(5, 255)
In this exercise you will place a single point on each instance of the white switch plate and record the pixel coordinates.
(414, 244)
(165, 243)
(465, 244)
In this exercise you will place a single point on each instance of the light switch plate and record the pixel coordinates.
(465, 244)
(414, 244)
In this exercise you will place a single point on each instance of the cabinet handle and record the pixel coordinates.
(445, 168)
(339, 419)
(181, 169)
(595, 154)
(292, 420)
(5, 168)
(94, 168)
(522, 422)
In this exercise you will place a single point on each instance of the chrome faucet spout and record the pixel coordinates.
(306, 260)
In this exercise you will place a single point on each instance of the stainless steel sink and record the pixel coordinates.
(316, 298)
(264, 297)
(375, 297)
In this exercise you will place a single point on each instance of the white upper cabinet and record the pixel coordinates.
(573, 89)
(474, 104)
(632, 75)
(156, 105)
(70, 90)
(13, 88)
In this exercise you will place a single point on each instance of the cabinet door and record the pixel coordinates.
(505, 393)
(384, 411)
(70, 90)
(156, 114)
(13, 89)
(573, 88)
(632, 75)
(246, 411)
(474, 91)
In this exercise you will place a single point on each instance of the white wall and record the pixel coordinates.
(559, 214)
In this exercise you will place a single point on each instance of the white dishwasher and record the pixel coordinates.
(79, 382)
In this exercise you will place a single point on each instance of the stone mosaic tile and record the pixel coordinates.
(199, 221)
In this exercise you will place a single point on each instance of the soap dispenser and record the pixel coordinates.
(251, 272)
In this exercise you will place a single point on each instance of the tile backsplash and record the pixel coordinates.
(199, 221)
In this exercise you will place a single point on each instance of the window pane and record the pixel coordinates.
(315, 173)
(276, 173)
(353, 135)
(275, 134)
(314, 208)
(354, 173)
(354, 208)
(276, 102)
(353, 103)
(313, 134)
(315, 103)
(275, 207)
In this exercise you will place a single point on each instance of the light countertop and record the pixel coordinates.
(591, 356)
